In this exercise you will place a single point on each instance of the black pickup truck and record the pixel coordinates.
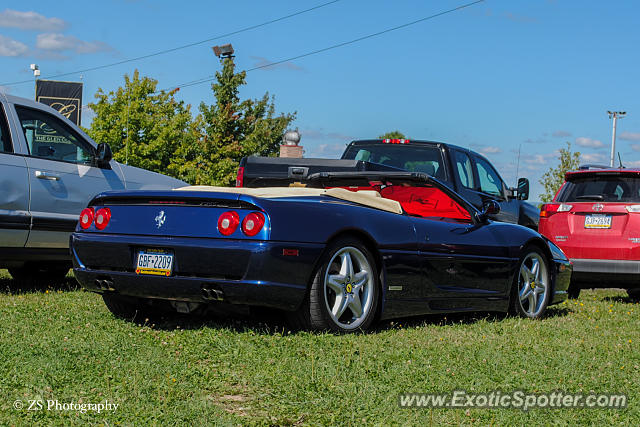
(466, 172)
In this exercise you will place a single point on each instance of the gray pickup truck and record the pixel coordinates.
(49, 170)
(468, 173)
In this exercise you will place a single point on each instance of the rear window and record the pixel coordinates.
(413, 158)
(601, 188)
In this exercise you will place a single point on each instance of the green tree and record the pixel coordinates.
(396, 134)
(554, 177)
(144, 128)
(231, 129)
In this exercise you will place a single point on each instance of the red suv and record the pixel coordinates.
(595, 219)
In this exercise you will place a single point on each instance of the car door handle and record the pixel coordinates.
(48, 176)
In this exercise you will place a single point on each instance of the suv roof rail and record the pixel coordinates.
(592, 166)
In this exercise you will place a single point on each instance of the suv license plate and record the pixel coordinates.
(597, 221)
(156, 262)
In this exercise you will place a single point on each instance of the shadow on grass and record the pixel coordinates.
(264, 321)
(241, 319)
(465, 318)
(625, 299)
(16, 287)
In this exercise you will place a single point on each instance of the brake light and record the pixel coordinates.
(549, 209)
(228, 222)
(102, 218)
(395, 141)
(633, 208)
(86, 218)
(240, 177)
(252, 223)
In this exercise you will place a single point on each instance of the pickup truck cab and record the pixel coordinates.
(466, 172)
(49, 170)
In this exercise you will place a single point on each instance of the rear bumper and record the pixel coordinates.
(606, 272)
(237, 272)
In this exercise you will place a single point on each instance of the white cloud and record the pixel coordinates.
(635, 147)
(538, 140)
(324, 150)
(561, 134)
(5, 89)
(630, 136)
(59, 42)
(539, 159)
(633, 164)
(490, 150)
(484, 149)
(588, 142)
(593, 158)
(30, 21)
(321, 134)
(11, 47)
(340, 136)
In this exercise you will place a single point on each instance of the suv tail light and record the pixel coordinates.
(240, 177)
(102, 218)
(86, 218)
(549, 209)
(252, 223)
(228, 222)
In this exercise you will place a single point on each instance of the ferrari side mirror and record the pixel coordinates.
(490, 207)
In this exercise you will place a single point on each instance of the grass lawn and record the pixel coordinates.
(62, 344)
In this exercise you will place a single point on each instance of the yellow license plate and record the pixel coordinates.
(597, 221)
(156, 262)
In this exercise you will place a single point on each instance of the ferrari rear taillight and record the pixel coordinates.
(240, 177)
(228, 222)
(252, 223)
(102, 218)
(86, 218)
(551, 208)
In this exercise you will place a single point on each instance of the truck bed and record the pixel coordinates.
(281, 171)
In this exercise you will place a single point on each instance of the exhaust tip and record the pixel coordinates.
(212, 292)
(104, 284)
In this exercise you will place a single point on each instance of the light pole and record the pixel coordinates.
(223, 51)
(614, 115)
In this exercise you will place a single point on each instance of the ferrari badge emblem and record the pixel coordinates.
(160, 219)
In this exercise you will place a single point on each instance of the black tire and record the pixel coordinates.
(634, 294)
(531, 288)
(359, 288)
(127, 308)
(574, 291)
(32, 275)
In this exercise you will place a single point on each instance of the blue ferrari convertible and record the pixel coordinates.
(355, 248)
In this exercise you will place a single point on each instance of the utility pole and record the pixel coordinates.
(126, 158)
(614, 115)
(36, 74)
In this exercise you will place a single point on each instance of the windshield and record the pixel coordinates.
(601, 188)
(413, 158)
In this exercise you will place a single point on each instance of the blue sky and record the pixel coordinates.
(496, 77)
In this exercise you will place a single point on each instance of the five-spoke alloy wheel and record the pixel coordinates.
(532, 285)
(345, 290)
(348, 287)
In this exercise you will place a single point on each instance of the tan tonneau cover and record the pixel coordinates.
(364, 197)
